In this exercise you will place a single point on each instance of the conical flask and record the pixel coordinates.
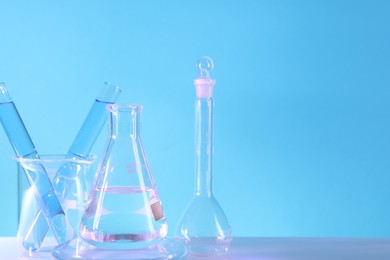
(124, 210)
(203, 227)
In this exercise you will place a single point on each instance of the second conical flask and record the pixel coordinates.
(124, 210)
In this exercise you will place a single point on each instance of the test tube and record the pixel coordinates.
(40, 182)
(81, 147)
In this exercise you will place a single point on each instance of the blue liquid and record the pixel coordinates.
(89, 131)
(64, 179)
(16, 131)
(82, 145)
(38, 178)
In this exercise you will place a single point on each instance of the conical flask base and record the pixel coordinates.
(79, 249)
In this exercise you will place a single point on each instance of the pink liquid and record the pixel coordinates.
(122, 217)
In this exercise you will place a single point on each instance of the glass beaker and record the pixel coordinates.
(124, 210)
(53, 214)
(73, 205)
(79, 149)
(203, 227)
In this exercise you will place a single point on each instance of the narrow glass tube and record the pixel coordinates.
(82, 145)
(42, 187)
(203, 146)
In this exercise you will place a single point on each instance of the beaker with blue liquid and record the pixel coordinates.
(73, 203)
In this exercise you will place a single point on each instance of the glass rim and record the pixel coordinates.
(124, 107)
(53, 158)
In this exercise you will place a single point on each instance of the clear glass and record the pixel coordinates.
(124, 210)
(77, 249)
(39, 180)
(73, 203)
(123, 218)
(203, 227)
(63, 181)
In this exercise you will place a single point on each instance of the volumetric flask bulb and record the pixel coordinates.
(203, 227)
(124, 210)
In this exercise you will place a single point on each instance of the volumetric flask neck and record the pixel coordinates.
(203, 146)
(124, 209)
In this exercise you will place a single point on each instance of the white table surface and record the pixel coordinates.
(279, 249)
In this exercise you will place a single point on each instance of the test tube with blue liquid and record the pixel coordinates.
(81, 147)
(43, 189)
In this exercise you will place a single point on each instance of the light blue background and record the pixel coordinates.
(302, 132)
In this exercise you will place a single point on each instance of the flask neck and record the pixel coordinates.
(203, 145)
(125, 121)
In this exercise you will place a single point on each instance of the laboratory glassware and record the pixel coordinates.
(39, 180)
(82, 145)
(77, 249)
(123, 218)
(73, 204)
(203, 226)
(124, 209)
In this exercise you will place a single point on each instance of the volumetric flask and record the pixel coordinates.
(73, 204)
(203, 227)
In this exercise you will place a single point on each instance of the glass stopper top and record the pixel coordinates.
(205, 64)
